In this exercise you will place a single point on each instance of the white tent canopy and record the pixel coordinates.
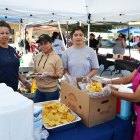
(46, 10)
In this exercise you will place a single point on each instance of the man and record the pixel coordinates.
(93, 43)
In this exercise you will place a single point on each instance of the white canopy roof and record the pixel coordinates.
(66, 10)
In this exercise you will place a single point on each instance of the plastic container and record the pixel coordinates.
(125, 111)
(37, 122)
(21, 62)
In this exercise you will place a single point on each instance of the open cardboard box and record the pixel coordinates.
(93, 111)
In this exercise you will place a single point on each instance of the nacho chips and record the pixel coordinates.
(95, 87)
(56, 114)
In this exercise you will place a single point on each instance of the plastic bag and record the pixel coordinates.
(71, 80)
(44, 134)
(82, 86)
(105, 92)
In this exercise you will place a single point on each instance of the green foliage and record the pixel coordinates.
(100, 28)
(93, 28)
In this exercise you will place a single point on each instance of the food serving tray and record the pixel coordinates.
(34, 75)
(62, 126)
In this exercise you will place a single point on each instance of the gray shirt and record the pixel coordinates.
(80, 61)
(118, 48)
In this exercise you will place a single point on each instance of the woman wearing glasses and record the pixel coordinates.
(120, 45)
(49, 65)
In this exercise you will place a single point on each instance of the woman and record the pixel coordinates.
(49, 65)
(9, 62)
(80, 60)
(57, 44)
(133, 78)
(120, 45)
(27, 42)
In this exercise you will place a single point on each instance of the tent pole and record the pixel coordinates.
(25, 38)
(129, 39)
(80, 23)
(88, 21)
(61, 33)
(67, 33)
(88, 33)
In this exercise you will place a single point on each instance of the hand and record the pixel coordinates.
(106, 90)
(43, 75)
(86, 80)
(113, 88)
(105, 82)
(46, 76)
(27, 84)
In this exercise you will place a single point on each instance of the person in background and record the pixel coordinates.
(57, 44)
(133, 78)
(137, 39)
(80, 60)
(19, 42)
(120, 45)
(63, 38)
(33, 45)
(27, 42)
(49, 65)
(9, 61)
(93, 43)
(99, 39)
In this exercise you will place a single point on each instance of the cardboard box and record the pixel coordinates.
(93, 111)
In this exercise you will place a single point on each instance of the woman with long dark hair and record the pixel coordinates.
(57, 44)
(80, 60)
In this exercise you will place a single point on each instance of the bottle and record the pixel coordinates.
(21, 62)
(125, 111)
(37, 122)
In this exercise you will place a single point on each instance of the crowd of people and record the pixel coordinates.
(52, 62)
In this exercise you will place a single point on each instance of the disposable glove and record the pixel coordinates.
(106, 90)
(86, 80)
(105, 82)
(46, 75)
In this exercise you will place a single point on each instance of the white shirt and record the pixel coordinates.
(58, 46)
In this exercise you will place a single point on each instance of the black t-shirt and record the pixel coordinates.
(93, 43)
(27, 45)
(9, 67)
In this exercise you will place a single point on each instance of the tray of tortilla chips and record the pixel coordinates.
(57, 116)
